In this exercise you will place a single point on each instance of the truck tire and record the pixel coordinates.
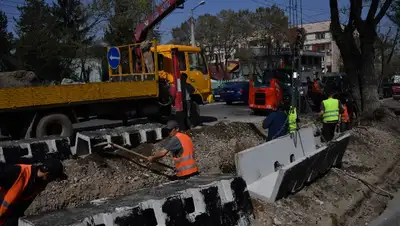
(54, 124)
(195, 118)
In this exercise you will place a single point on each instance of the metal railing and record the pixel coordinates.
(138, 61)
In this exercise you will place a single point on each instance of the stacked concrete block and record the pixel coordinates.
(203, 200)
(125, 136)
(283, 166)
(35, 150)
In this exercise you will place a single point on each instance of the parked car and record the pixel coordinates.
(396, 91)
(217, 94)
(232, 92)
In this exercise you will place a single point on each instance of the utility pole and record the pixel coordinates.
(193, 41)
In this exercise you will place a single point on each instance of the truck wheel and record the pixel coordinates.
(195, 118)
(54, 124)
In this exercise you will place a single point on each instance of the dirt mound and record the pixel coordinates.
(337, 199)
(97, 177)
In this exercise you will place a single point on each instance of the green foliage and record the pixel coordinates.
(6, 44)
(125, 18)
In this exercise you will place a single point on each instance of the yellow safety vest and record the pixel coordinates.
(331, 111)
(292, 119)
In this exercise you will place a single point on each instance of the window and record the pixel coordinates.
(320, 35)
(182, 62)
(160, 59)
(197, 63)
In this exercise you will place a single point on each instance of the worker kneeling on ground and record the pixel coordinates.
(181, 148)
(20, 184)
(331, 109)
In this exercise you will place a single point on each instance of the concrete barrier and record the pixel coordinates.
(35, 150)
(203, 200)
(283, 166)
(125, 136)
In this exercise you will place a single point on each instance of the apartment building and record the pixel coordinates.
(319, 39)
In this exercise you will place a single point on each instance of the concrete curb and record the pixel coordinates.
(35, 150)
(198, 201)
(125, 136)
(275, 169)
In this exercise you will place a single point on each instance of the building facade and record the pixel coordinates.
(319, 39)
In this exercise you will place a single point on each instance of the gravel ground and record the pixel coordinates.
(97, 177)
(337, 199)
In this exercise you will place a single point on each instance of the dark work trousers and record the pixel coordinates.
(12, 221)
(344, 126)
(328, 131)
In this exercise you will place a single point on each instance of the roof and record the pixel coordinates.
(322, 26)
(184, 48)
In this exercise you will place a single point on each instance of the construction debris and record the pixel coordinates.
(107, 176)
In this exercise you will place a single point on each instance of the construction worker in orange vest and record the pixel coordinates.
(344, 119)
(180, 147)
(20, 184)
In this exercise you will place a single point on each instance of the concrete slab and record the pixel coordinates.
(271, 173)
(203, 200)
(260, 161)
(35, 150)
(128, 137)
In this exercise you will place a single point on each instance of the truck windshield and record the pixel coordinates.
(197, 62)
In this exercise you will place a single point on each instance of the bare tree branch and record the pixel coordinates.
(335, 21)
(372, 10)
(383, 11)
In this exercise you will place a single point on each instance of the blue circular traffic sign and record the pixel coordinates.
(113, 57)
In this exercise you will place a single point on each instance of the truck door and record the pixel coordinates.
(198, 75)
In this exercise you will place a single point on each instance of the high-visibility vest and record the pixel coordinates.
(345, 115)
(292, 119)
(316, 88)
(186, 163)
(13, 195)
(331, 112)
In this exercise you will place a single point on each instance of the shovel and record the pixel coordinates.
(134, 153)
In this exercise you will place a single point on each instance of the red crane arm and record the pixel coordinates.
(163, 10)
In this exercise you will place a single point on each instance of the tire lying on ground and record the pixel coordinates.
(59, 123)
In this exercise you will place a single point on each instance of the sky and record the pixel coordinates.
(313, 10)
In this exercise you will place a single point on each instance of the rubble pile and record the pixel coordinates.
(17, 79)
(99, 177)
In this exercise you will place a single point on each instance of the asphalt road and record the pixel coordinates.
(210, 114)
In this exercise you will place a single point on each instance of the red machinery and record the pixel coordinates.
(266, 88)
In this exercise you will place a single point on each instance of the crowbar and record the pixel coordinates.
(133, 152)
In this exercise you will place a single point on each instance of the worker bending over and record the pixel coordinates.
(20, 184)
(331, 109)
(181, 148)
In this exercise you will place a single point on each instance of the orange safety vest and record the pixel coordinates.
(11, 196)
(316, 88)
(185, 164)
(345, 115)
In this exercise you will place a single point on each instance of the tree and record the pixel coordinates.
(271, 27)
(231, 31)
(181, 34)
(38, 47)
(207, 35)
(75, 34)
(125, 18)
(359, 60)
(6, 44)
(386, 46)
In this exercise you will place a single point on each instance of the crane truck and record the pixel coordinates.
(146, 83)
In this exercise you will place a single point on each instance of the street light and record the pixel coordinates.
(192, 22)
